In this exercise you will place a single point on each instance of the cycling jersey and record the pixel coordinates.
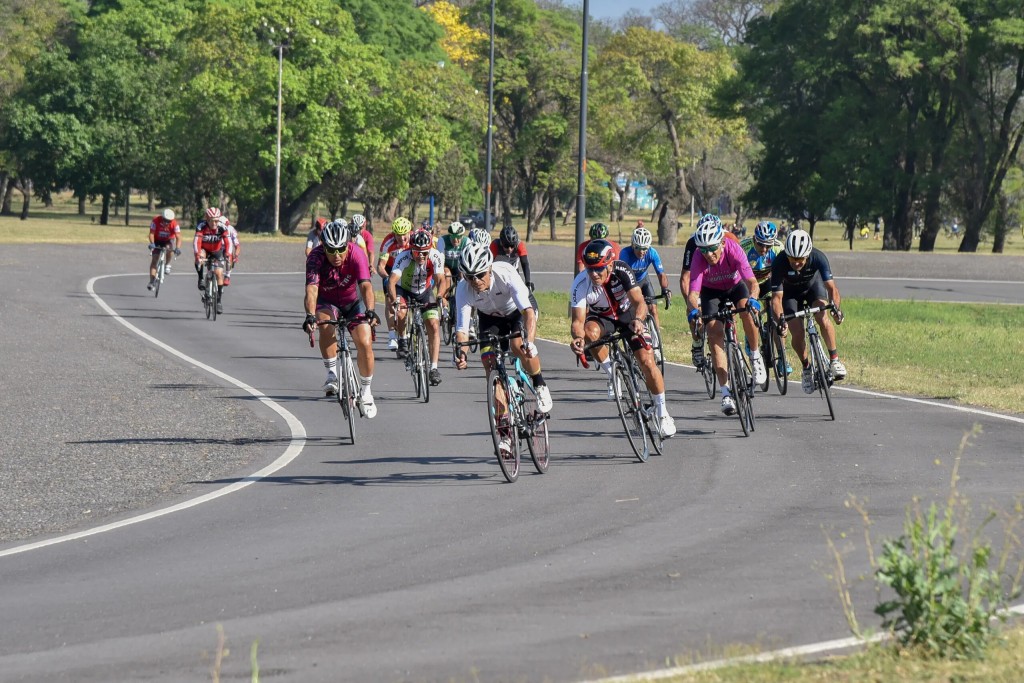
(213, 239)
(691, 248)
(640, 264)
(390, 248)
(731, 269)
(452, 246)
(783, 275)
(760, 265)
(367, 242)
(338, 286)
(516, 258)
(506, 295)
(163, 231)
(610, 300)
(415, 277)
(579, 252)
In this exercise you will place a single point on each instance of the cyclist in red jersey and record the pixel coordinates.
(359, 223)
(598, 231)
(390, 246)
(163, 232)
(212, 239)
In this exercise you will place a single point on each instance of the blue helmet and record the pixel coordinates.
(765, 232)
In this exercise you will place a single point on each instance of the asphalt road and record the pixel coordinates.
(406, 557)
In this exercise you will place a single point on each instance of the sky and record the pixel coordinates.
(613, 9)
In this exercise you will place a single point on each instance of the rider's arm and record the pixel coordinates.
(530, 324)
(833, 292)
(525, 260)
(440, 280)
(636, 297)
(392, 281)
(366, 289)
(309, 303)
(579, 317)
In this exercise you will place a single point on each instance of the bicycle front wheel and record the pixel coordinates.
(628, 403)
(160, 269)
(535, 430)
(766, 357)
(346, 397)
(503, 427)
(739, 390)
(656, 345)
(822, 374)
(707, 370)
(412, 362)
(781, 364)
(211, 298)
(649, 413)
(421, 364)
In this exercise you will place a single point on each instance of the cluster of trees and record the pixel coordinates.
(905, 109)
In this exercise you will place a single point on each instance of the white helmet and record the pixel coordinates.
(642, 238)
(709, 231)
(798, 244)
(168, 214)
(358, 221)
(475, 258)
(335, 234)
(480, 236)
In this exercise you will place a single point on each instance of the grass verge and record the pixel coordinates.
(968, 353)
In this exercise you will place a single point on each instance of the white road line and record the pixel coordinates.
(845, 277)
(298, 440)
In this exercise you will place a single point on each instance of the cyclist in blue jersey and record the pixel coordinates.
(640, 255)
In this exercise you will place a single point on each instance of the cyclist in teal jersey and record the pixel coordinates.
(761, 250)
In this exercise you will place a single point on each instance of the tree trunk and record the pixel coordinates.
(932, 220)
(668, 224)
(26, 200)
(851, 229)
(552, 210)
(1001, 218)
(150, 201)
(81, 205)
(105, 211)
(5, 179)
(5, 206)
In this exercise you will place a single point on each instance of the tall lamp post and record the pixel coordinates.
(279, 44)
(490, 128)
(581, 197)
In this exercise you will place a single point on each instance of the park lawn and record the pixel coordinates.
(969, 353)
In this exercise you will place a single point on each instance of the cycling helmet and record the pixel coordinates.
(475, 258)
(509, 238)
(213, 213)
(320, 224)
(642, 238)
(598, 253)
(765, 232)
(335, 235)
(480, 236)
(598, 231)
(639, 224)
(401, 226)
(421, 241)
(358, 221)
(709, 231)
(456, 229)
(798, 244)
(168, 214)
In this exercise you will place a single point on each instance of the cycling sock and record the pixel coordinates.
(659, 403)
(606, 365)
(697, 345)
(755, 354)
(331, 364)
(725, 390)
(833, 354)
(391, 334)
(364, 382)
(538, 380)
(433, 365)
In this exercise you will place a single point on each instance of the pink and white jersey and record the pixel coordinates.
(338, 286)
(731, 269)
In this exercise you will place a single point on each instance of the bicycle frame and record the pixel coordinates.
(738, 372)
(349, 390)
(820, 366)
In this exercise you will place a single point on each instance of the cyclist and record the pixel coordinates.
(390, 246)
(605, 298)
(479, 236)
(598, 231)
(212, 239)
(359, 226)
(502, 300)
(419, 274)
(697, 347)
(761, 250)
(235, 246)
(805, 277)
(510, 249)
(313, 238)
(164, 233)
(338, 286)
(722, 266)
(640, 255)
(451, 246)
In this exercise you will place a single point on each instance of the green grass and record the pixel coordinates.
(970, 353)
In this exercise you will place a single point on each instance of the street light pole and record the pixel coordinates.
(490, 128)
(581, 197)
(277, 168)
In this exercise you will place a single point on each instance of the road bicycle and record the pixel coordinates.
(741, 378)
(820, 367)
(512, 394)
(350, 395)
(633, 399)
(210, 290)
(448, 320)
(706, 368)
(161, 269)
(417, 357)
(654, 330)
(773, 351)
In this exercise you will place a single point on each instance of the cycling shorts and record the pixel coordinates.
(354, 314)
(426, 299)
(711, 300)
(610, 325)
(795, 299)
(498, 326)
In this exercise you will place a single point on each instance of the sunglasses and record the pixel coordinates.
(335, 252)
(476, 276)
(598, 270)
(709, 250)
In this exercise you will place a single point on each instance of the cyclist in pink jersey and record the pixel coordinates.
(338, 286)
(720, 272)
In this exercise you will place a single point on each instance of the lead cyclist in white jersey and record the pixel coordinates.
(502, 300)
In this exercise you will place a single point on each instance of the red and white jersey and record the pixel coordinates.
(161, 230)
(213, 239)
(417, 277)
(389, 248)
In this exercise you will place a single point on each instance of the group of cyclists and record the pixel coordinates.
(216, 240)
(465, 274)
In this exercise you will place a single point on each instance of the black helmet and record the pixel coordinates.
(509, 238)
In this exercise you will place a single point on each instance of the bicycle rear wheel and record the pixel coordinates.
(739, 390)
(649, 414)
(781, 376)
(160, 266)
(628, 404)
(345, 396)
(822, 374)
(707, 370)
(536, 431)
(448, 326)
(656, 345)
(421, 365)
(508, 462)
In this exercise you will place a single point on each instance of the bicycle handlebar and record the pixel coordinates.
(490, 338)
(725, 313)
(667, 296)
(810, 311)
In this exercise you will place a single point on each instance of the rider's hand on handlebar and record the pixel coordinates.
(309, 323)
(151, 246)
(754, 304)
(530, 349)
(372, 318)
(783, 327)
(577, 345)
(837, 315)
(459, 359)
(667, 293)
(177, 252)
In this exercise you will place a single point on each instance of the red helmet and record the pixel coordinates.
(421, 240)
(213, 213)
(598, 254)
